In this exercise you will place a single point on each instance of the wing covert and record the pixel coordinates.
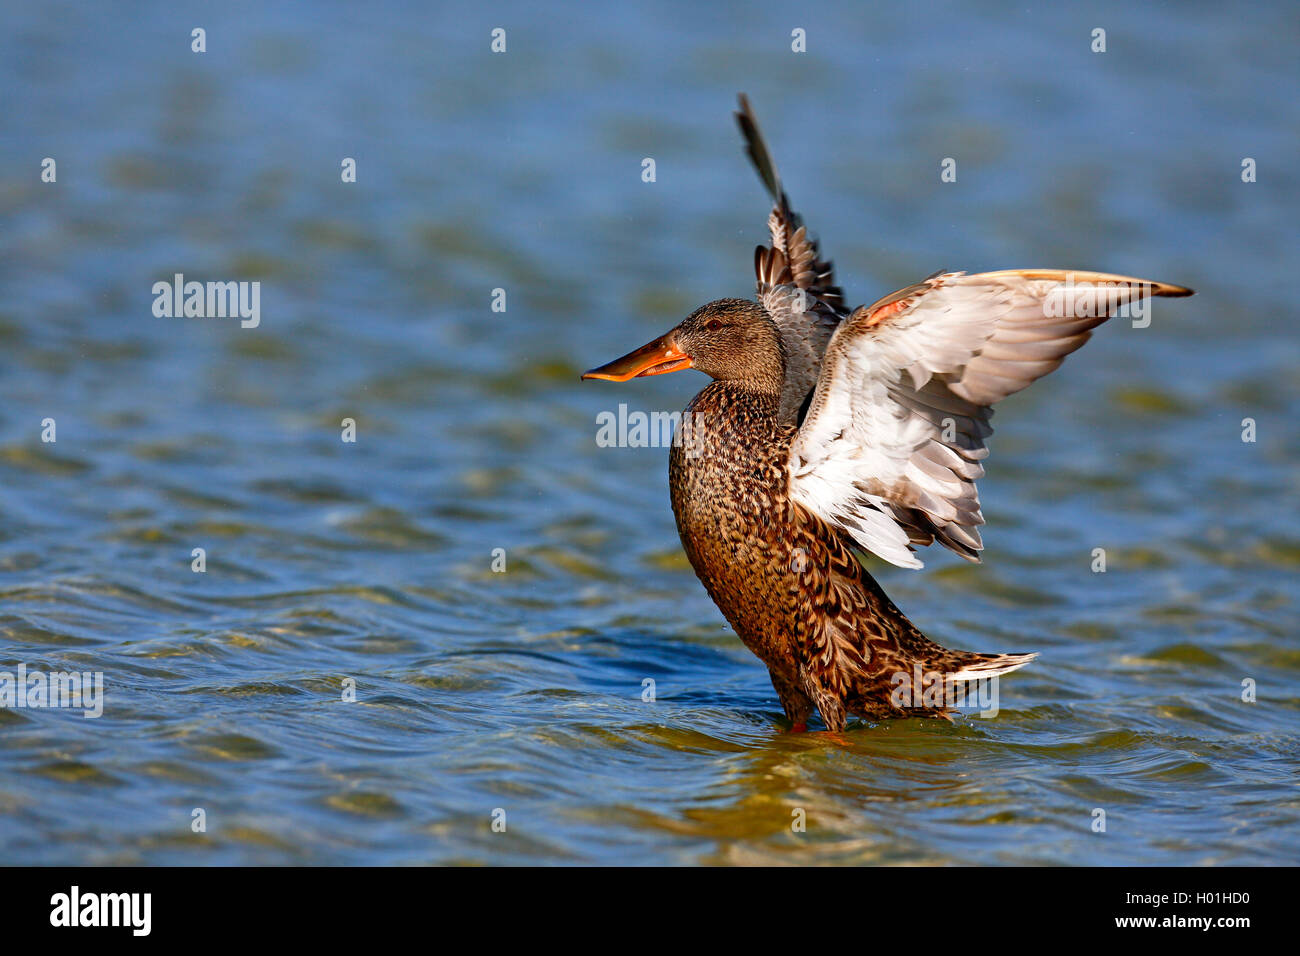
(893, 441)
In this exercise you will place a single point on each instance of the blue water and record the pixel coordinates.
(521, 691)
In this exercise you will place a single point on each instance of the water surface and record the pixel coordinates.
(522, 690)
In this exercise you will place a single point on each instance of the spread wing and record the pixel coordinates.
(891, 446)
(795, 285)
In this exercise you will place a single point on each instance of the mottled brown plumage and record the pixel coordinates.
(786, 582)
(773, 506)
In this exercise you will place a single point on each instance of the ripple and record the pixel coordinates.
(352, 681)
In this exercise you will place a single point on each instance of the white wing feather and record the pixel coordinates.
(891, 447)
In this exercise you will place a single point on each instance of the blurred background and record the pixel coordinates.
(522, 690)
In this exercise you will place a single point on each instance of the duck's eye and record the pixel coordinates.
(713, 325)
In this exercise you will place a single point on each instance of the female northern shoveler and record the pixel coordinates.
(825, 432)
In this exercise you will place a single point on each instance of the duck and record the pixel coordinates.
(829, 437)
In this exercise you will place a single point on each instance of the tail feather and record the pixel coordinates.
(978, 666)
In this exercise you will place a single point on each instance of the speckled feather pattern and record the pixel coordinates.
(773, 507)
(784, 579)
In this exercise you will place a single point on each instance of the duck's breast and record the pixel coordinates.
(728, 486)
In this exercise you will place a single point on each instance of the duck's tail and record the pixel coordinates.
(961, 666)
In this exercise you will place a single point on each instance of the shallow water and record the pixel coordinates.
(372, 561)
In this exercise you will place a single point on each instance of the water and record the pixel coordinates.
(522, 690)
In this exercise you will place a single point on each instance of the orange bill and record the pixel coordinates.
(654, 358)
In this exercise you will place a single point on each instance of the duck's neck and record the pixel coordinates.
(732, 411)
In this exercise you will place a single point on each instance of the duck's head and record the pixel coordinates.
(727, 339)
